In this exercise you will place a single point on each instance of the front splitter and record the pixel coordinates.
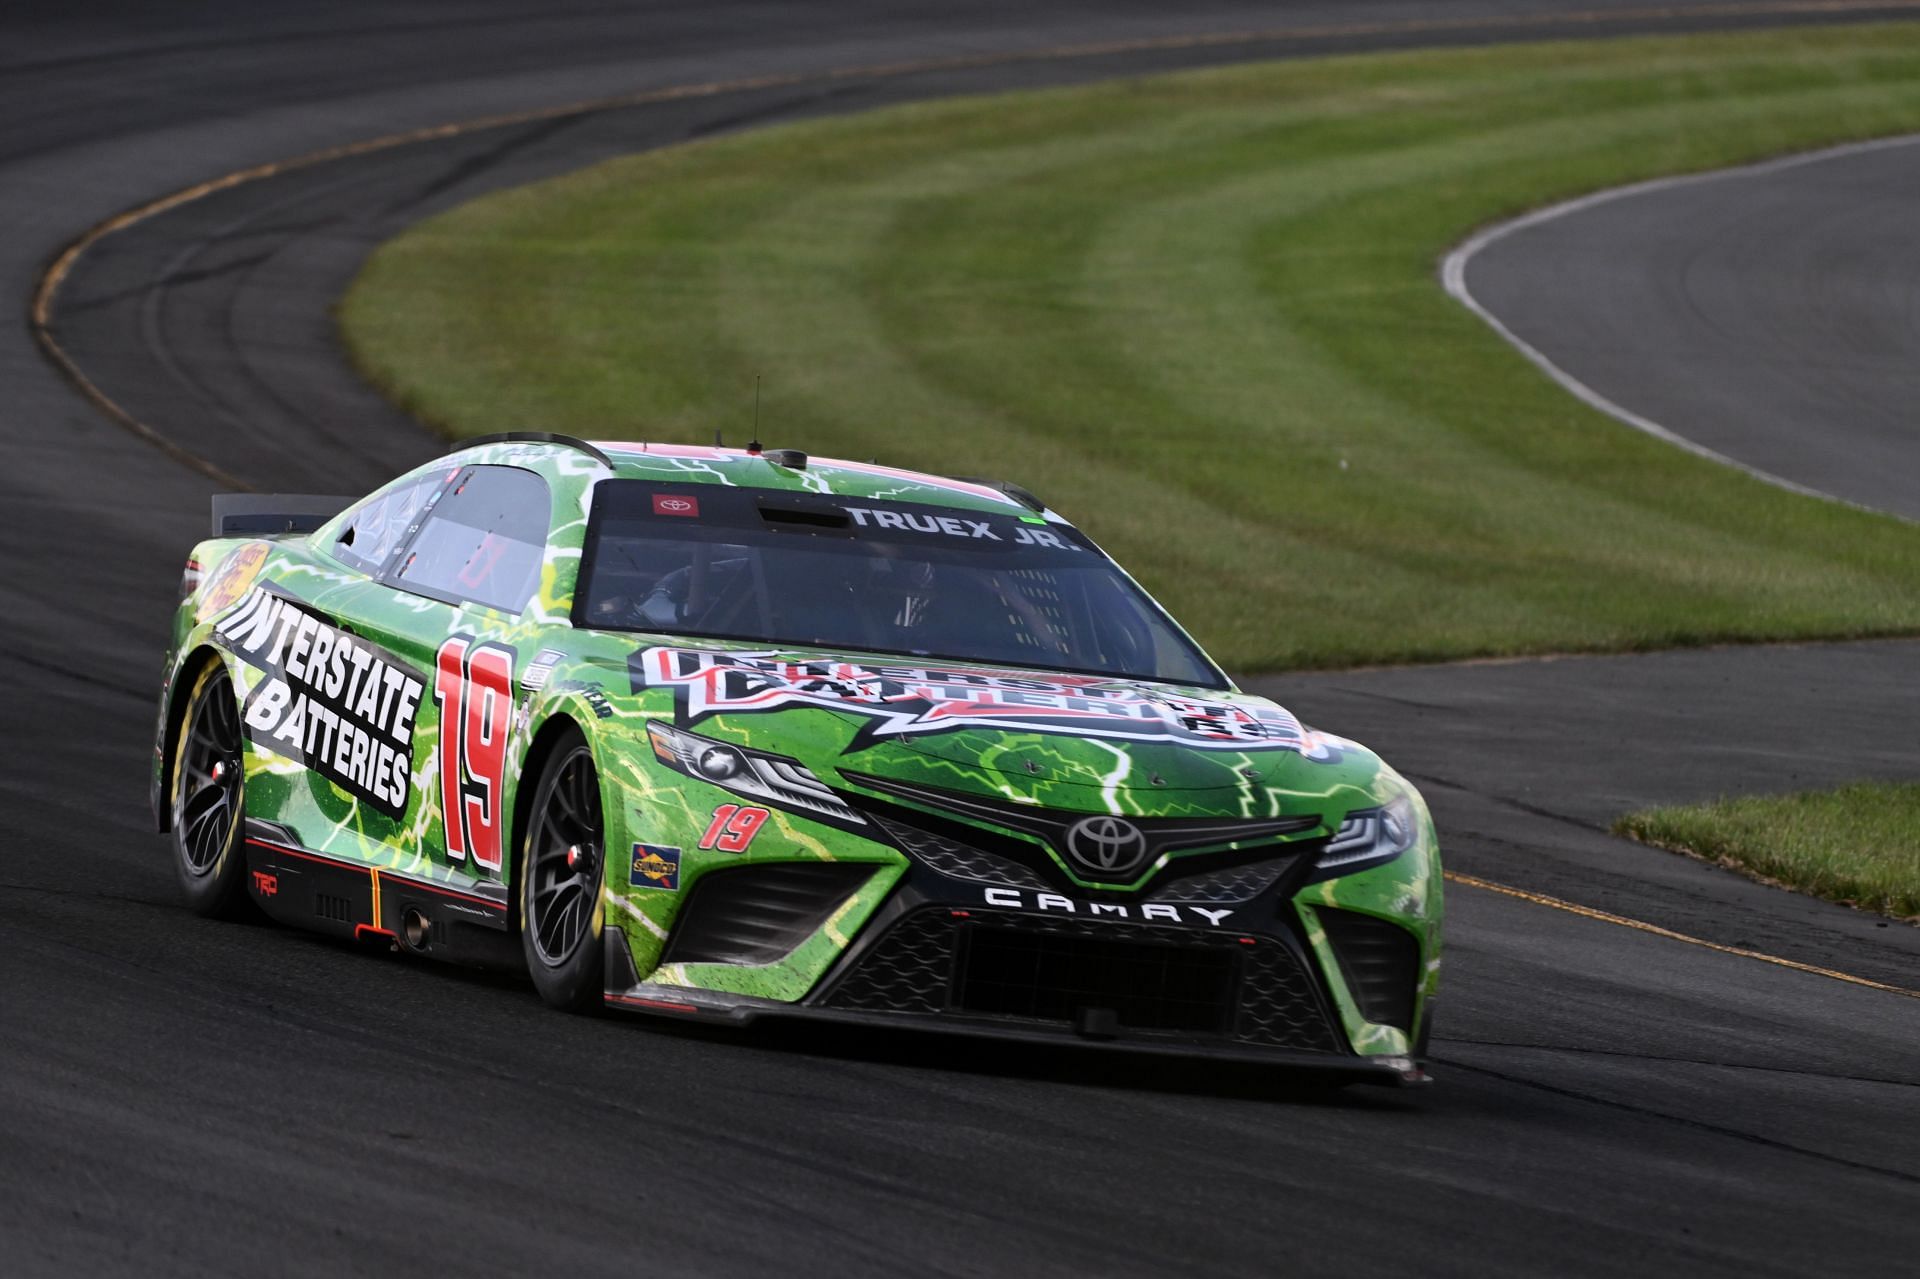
(720, 1009)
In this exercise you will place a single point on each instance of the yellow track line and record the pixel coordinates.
(40, 312)
(1638, 925)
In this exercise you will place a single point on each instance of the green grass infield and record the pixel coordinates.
(1199, 313)
(1859, 844)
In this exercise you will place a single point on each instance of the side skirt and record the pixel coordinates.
(358, 902)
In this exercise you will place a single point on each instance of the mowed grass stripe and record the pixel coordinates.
(1199, 313)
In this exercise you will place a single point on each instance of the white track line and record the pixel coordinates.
(1453, 275)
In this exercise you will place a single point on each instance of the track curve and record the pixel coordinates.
(183, 1096)
(1767, 315)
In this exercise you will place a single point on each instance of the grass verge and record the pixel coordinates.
(1199, 314)
(1859, 844)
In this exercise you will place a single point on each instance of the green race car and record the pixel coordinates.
(729, 735)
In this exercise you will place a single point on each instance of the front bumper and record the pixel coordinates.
(943, 957)
(1238, 955)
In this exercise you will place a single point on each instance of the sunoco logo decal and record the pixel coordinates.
(907, 700)
(330, 700)
(655, 866)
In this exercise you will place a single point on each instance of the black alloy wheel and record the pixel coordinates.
(562, 867)
(209, 798)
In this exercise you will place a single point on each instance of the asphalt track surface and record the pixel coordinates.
(178, 1096)
(1770, 313)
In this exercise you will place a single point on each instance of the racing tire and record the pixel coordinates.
(562, 867)
(208, 792)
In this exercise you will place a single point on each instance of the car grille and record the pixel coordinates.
(1052, 973)
(1013, 972)
(958, 860)
(962, 851)
(1233, 884)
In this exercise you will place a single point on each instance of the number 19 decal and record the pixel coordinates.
(473, 687)
(733, 828)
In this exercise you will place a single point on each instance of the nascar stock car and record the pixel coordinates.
(731, 734)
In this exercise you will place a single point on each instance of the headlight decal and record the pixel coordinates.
(773, 779)
(1369, 837)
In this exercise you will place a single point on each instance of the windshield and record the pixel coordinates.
(798, 569)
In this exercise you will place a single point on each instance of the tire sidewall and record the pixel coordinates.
(579, 983)
(221, 891)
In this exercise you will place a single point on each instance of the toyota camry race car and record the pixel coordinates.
(729, 735)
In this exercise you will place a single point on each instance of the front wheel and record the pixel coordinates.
(209, 793)
(562, 863)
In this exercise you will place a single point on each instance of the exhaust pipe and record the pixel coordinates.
(416, 930)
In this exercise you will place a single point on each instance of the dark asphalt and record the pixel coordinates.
(184, 1097)
(1770, 314)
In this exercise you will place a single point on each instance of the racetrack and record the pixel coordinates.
(182, 1095)
(1767, 313)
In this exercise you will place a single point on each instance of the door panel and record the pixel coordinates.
(347, 705)
(412, 687)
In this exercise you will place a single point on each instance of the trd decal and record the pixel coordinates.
(907, 700)
(266, 885)
(655, 866)
(329, 700)
(472, 685)
(733, 828)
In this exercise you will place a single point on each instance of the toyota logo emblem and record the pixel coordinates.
(674, 504)
(1106, 846)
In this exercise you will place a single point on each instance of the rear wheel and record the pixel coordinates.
(562, 864)
(209, 791)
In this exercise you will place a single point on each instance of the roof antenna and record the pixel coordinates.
(753, 445)
(717, 441)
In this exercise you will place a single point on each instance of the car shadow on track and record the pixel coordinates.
(922, 1049)
(1086, 1065)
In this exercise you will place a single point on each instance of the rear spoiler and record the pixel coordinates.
(265, 514)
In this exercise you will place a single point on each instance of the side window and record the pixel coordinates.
(483, 541)
(372, 532)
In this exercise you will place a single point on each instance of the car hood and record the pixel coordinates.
(1069, 740)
